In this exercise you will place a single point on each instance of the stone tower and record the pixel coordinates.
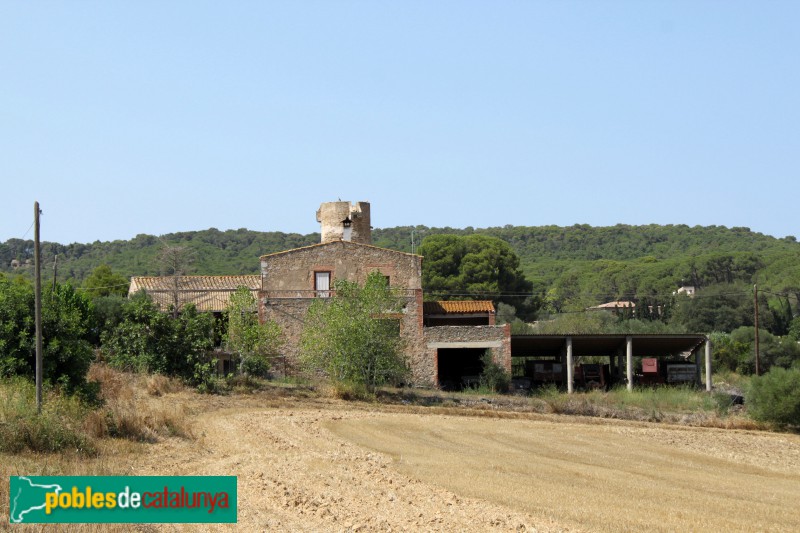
(341, 221)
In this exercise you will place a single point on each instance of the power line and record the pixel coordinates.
(630, 296)
(98, 288)
(27, 230)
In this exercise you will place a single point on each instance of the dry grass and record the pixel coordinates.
(134, 407)
(158, 385)
(113, 458)
(57, 428)
(683, 406)
(611, 476)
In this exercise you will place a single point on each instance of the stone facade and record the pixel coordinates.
(332, 217)
(292, 280)
(288, 289)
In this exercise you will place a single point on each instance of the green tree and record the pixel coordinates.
(505, 314)
(731, 354)
(138, 342)
(107, 314)
(595, 322)
(253, 343)
(493, 376)
(149, 340)
(354, 336)
(773, 350)
(104, 282)
(720, 307)
(476, 267)
(17, 341)
(775, 396)
(794, 329)
(66, 350)
(66, 316)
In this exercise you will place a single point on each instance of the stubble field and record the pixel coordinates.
(311, 463)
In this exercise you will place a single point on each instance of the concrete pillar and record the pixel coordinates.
(570, 368)
(708, 364)
(629, 361)
(697, 365)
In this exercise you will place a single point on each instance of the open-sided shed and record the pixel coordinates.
(622, 348)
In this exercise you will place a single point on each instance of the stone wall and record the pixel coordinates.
(293, 271)
(496, 338)
(331, 215)
(289, 314)
(287, 289)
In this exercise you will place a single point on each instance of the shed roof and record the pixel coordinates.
(451, 307)
(644, 345)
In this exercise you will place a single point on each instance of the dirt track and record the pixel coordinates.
(296, 475)
(299, 468)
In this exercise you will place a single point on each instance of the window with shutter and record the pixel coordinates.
(322, 284)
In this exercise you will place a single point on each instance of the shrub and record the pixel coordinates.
(775, 397)
(256, 365)
(352, 336)
(125, 414)
(158, 385)
(57, 428)
(352, 391)
(494, 377)
(149, 340)
(66, 317)
(252, 342)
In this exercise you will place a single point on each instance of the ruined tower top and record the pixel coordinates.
(342, 221)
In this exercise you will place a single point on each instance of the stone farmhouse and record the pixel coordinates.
(444, 341)
(443, 355)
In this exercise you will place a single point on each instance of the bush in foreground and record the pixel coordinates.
(494, 377)
(775, 397)
(58, 428)
(352, 337)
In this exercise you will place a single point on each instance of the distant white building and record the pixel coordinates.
(688, 290)
(616, 307)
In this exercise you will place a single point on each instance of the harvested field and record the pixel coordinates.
(317, 464)
(601, 477)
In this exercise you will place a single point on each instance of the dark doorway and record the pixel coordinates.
(459, 368)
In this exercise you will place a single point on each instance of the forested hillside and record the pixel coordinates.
(215, 253)
(567, 270)
(572, 267)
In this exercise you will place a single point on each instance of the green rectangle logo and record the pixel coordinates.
(122, 499)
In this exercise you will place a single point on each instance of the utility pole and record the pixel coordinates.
(755, 301)
(414, 234)
(37, 266)
(55, 273)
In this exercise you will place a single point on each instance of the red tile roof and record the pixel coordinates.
(458, 307)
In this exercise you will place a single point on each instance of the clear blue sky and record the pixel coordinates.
(154, 117)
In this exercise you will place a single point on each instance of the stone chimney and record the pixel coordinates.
(341, 221)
